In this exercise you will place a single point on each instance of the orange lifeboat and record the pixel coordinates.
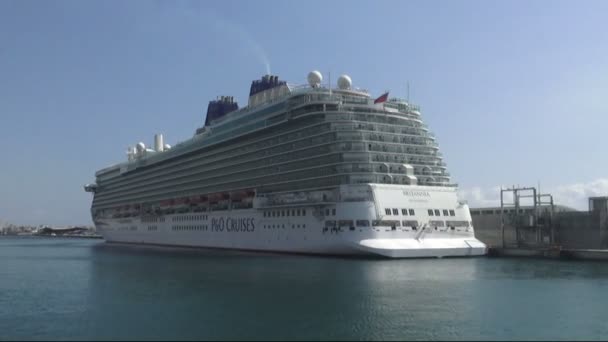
(214, 198)
(166, 203)
(238, 195)
(244, 194)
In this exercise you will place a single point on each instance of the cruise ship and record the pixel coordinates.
(312, 168)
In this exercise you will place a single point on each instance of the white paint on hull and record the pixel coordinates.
(252, 229)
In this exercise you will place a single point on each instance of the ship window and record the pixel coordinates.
(303, 212)
(458, 223)
(437, 212)
(326, 212)
(430, 212)
(452, 213)
(436, 224)
(287, 212)
(445, 212)
(395, 211)
(293, 212)
(363, 223)
(410, 223)
(298, 211)
(333, 212)
(404, 212)
(387, 211)
(282, 212)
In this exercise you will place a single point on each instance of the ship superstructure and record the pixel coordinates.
(306, 169)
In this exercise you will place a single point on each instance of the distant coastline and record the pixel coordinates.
(49, 231)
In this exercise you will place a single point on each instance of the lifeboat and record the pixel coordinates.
(238, 195)
(214, 198)
(245, 194)
(198, 199)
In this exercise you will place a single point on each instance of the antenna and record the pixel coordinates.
(330, 83)
(408, 91)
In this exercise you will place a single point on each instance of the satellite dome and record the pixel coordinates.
(167, 146)
(344, 82)
(314, 78)
(141, 147)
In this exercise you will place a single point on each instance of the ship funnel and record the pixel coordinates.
(158, 143)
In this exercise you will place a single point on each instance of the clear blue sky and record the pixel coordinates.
(516, 91)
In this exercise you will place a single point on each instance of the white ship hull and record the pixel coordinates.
(308, 231)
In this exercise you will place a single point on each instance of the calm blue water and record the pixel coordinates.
(86, 289)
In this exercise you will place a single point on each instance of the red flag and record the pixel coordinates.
(382, 98)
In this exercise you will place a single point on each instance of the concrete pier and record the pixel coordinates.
(550, 253)
(543, 229)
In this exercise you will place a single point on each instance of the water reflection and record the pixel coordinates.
(238, 295)
(78, 289)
